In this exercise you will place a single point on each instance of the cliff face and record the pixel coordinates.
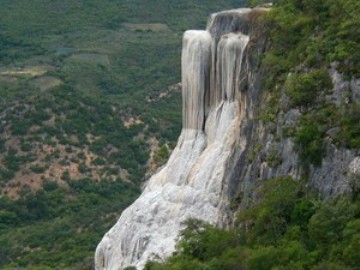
(268, 153)
(224, 151)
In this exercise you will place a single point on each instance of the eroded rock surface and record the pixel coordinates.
(193, 182)
(224, 151)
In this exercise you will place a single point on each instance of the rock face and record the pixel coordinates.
(211, 164)
(193, 182)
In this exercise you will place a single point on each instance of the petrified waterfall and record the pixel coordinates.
(193, 184)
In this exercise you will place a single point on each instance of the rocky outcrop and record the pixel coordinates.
(193, 182)
(268, 153)
(224, 151)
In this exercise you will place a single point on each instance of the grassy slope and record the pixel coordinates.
(73, 75)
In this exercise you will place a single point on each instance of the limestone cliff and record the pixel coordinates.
(211, 165)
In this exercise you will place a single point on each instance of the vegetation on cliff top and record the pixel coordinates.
(308, 39)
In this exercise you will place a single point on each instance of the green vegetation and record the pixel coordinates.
(73, 73)
(289, 228)
(307, 38)
(303, 89)
(162, 155)
(59, 227)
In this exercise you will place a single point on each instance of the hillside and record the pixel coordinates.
(90, 104)
(294, 190)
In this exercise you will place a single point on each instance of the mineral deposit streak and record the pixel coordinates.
(193, 182)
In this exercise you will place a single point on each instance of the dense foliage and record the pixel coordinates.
(308, 40)
(57, 227)
(289, 228)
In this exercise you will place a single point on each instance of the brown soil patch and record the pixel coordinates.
(130, 121)
(27, 71)
(46, 82)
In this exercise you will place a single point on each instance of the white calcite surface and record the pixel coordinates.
(193, 182)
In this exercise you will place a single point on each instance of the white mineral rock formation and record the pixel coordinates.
(193, 182)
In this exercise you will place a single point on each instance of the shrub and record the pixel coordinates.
(310, 143)
(303, 89)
